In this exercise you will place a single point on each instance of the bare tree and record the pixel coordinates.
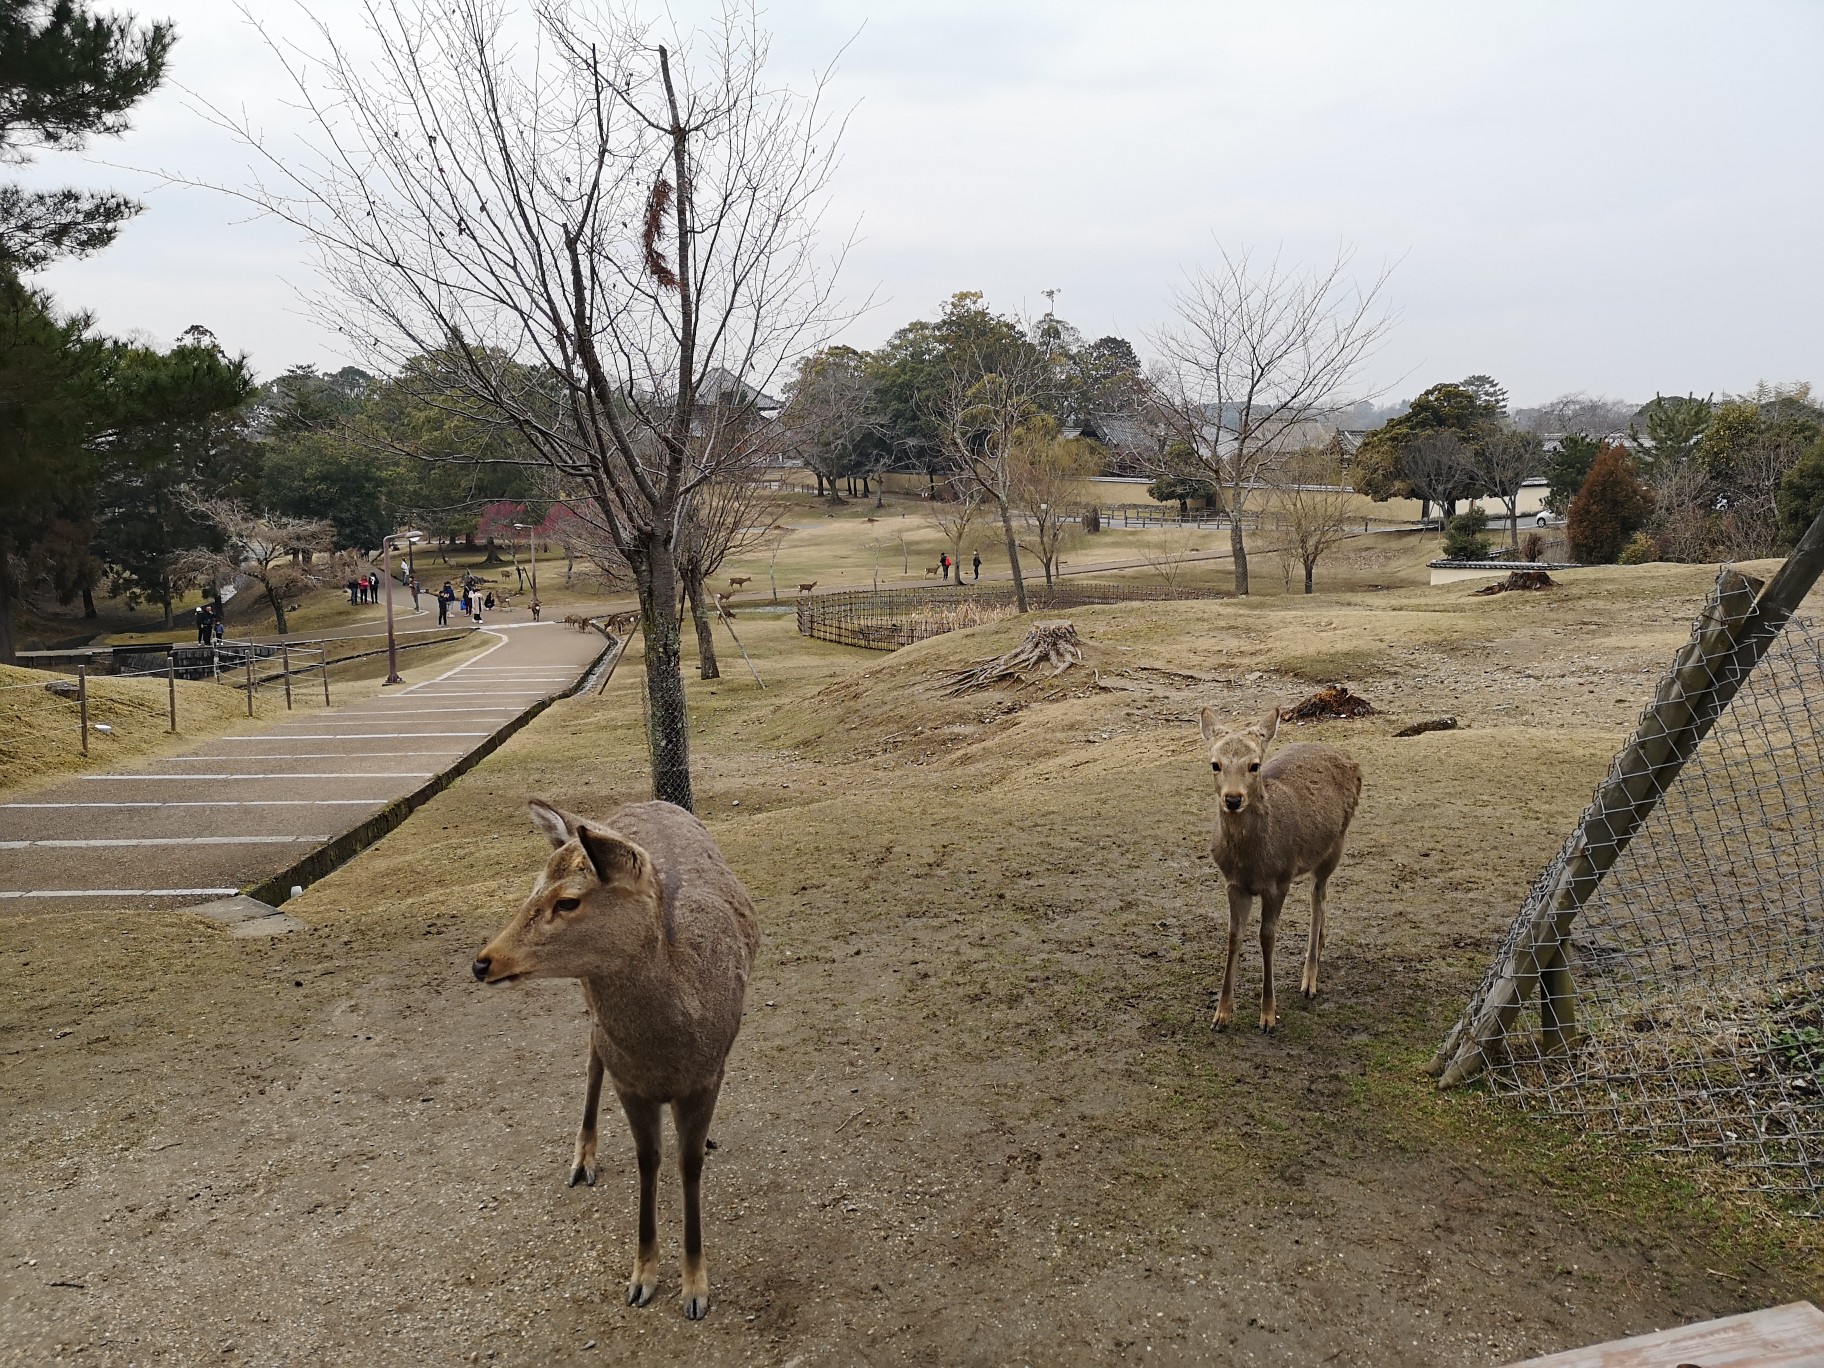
(597, 231)
(1047, 468)
(1436, 466)
(275, 552)
(1500, 462)
(1585, 415)
(953, 519)
(991, 396)
(1254, 355)
(727, 517)
(1168, 553)
(1312, 499)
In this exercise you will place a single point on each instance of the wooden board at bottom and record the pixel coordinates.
(1790, 1336)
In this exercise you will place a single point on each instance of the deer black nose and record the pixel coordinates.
(1232, 803)
(480, 968)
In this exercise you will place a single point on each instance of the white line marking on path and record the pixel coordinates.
(160, 841)
(498, 643)
(216, 802)
(298, 755)
(348, 736)
(186, 778)
(420, 712)
(118, 892)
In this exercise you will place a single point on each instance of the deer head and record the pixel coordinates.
(597, 903)
(1236, 756)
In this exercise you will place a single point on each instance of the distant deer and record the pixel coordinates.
(662, 934)
(933, 571)
(722, 602)
(806, 588)
(736, 581)
(1276, 820)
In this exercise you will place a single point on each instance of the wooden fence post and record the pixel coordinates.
(82, 704)
(285, 659)
(250, 681)
(1738, 626)
(323, 665)
(171, 688)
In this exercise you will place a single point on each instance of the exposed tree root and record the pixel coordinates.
(1048, 643)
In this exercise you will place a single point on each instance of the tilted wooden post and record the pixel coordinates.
(285, 659)
(1735, 631)
(323, 664)
(171, 688)
(250, 682)
(82, 704)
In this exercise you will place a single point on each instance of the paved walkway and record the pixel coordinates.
(230, 814)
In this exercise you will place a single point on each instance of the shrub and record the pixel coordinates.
(1532, 547)
(1610, 508)
(1640, 549)
(1801, 495)
(1463, 539)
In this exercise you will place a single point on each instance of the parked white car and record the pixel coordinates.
(1547, 518)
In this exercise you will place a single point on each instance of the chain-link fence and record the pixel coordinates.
(1672, 950)
(886, 619)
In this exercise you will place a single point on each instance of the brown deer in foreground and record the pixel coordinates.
(646, 913)
(1276, 820)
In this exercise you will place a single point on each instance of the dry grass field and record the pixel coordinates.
(976, 1115)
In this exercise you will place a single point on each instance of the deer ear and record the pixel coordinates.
(1206, 723)
(615, 860)
(1268, 726)
(558, 827)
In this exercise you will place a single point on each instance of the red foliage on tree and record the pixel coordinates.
(1611, 506)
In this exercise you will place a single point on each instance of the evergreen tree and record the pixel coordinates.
(1610, 508)
(67, 74)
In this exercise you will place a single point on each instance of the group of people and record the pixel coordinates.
(366, 589)
(949, 565)
(473, 600)
(209, 626)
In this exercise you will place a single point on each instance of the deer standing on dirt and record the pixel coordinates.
(1276, 820)
(646, 913)
(806, 588)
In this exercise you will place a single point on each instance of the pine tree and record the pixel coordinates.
(66, 75)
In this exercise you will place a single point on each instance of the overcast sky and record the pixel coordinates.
(1616, 197)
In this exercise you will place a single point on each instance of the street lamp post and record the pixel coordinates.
(531, 531)
(386, 569)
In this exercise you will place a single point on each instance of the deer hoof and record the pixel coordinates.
(582, 1174)
(640, 1292)
(1269, 1025)
(697, 1307)
(1220, 1022)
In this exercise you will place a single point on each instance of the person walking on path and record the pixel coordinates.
(203, 616)
(414, 586)
(944, 560)
(443, 606)
(978, 565)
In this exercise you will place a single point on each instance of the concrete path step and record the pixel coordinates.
(229, 815)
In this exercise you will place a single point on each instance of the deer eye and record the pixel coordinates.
(1254, 768)
(566, 905)
(1216, 765)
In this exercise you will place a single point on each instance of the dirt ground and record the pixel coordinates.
(977, 1114)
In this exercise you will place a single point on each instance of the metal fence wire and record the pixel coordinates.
(1672, 950)
(886, 619)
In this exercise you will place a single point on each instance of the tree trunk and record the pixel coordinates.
(1013, 558)
(1513, 521)
(667, 716)
(1310, 565)
(8, 655)
(493, 557)
(1239, 550)
(88, 603)
(278, 611)
(707, 668)
(165, 599)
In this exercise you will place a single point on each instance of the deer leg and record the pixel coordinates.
(1270, 903)
(692, 1116)
(643, 1119)
(1314, 947)
(1239, 904)
(582, 1167)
